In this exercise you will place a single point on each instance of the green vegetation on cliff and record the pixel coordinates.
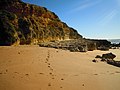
(7, 30)
(23, 23)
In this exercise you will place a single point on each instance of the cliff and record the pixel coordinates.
(23, 23)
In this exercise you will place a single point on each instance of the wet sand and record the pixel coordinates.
(38, 68)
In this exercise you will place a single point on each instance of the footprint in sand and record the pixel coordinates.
(50, 73)
(48, 56)
(6, 70)
(117, 72)
(51, 69)
(46, 59)
(41, 73)
(16, 72)
(49, 84)
(53, 78)
(48, 66)
(76, 75)
(83, 84)
(62, 79)
(61, 87)
(48, 63)
(27, 74)
(18, 52)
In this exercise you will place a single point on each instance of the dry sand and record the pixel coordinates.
(38, 68)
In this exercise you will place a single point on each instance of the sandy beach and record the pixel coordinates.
(39, 68)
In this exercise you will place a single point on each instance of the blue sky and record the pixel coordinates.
(91, 18)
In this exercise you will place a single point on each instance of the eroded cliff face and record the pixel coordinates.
(23, 23)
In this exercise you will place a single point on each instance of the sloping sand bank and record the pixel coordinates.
(38, 68)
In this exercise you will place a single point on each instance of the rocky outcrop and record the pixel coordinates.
(76, 45)
(102, 43)
(23, 23)
(114, 63)
(108, 58)
(99, 44)
(91, 45)
(115, 46)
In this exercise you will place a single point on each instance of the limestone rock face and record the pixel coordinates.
(23, 23)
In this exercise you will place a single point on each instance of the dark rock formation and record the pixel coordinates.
(109, 59)
(23, 23)
(105, 43)
(91, 45)
(108, 56)
(113, 62)
(102, 44)
(76, 45)
(115, 46)
(94, 61)
(99, 44)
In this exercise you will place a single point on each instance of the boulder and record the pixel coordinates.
(94, 61)
(108, 56)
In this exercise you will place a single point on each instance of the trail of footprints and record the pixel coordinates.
(49, 67)
(48, 63)
(52, 76)
(51, 73)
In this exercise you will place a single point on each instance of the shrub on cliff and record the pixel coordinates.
(7, 14)
(7, 30)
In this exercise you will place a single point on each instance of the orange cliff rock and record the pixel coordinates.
(23, 23)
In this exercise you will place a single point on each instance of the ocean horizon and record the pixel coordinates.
(114, 41)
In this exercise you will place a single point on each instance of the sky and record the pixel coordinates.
(95, 19)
